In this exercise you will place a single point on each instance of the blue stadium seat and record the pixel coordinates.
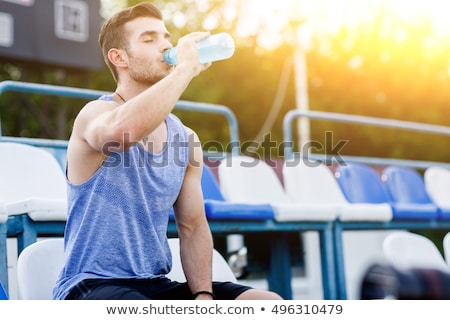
(3, 245)
(217, 208)
(361, 183)
(400, 188)
(3, 294)
(210, 185)
(408, 195)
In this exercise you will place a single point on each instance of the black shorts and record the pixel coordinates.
(147, 289)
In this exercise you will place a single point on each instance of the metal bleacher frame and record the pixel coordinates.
(340, 226)
(330, 233)
(279, 270)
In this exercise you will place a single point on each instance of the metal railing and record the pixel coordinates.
(355, 119)
(340, 226)
(82, 93)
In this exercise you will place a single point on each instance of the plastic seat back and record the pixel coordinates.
(221, 271)
(446, 246)
(406, 250)
(313, 182)
(3, 212)
(32, 184)
(361, 183)
(250, 180)
(408, 195)
(218, 208)
(405, 185)
(29, 172)
(316, 184)
(38, 267)
(210, 186)
(3, 294)
(437, 184)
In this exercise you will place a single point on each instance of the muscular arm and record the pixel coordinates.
(142, 114)
(196, 244)
(101, 126)
(138, 117)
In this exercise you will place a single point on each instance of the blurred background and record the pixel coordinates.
(382, 58)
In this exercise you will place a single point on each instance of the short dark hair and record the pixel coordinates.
(112, 33)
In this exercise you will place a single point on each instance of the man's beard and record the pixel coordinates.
(145, 73)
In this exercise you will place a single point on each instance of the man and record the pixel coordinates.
(129, 162)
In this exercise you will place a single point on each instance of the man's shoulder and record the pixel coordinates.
(95, 107)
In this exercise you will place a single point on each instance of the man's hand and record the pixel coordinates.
(187, 52)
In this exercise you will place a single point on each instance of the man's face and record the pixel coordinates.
(148, 38)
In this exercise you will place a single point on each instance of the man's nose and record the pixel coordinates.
(166, 44)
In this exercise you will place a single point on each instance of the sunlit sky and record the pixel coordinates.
(270, 18)
(273, 21)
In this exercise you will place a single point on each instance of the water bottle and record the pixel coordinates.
(216, 47)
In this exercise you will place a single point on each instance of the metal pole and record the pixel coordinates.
(301, 87)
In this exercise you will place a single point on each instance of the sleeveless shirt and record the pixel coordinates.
(117, 219)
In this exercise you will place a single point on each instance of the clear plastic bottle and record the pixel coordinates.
(216, 47)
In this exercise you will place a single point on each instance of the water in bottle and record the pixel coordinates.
(216, 47)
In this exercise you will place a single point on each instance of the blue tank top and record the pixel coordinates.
(117, 220)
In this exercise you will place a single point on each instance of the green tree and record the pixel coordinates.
(384, 68)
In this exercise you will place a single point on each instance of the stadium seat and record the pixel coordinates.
(446, 246)
(3, 294)
(3, 213)
(315, 183)
(408, 195)
(39, 265)
(406, 250)
(316, 186)
(360, 183)
(217, 208)
(3, 245)
(249, 180)
(437, 184)
(221, 270)
(33, 188)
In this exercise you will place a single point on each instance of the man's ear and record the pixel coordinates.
(117, 57)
